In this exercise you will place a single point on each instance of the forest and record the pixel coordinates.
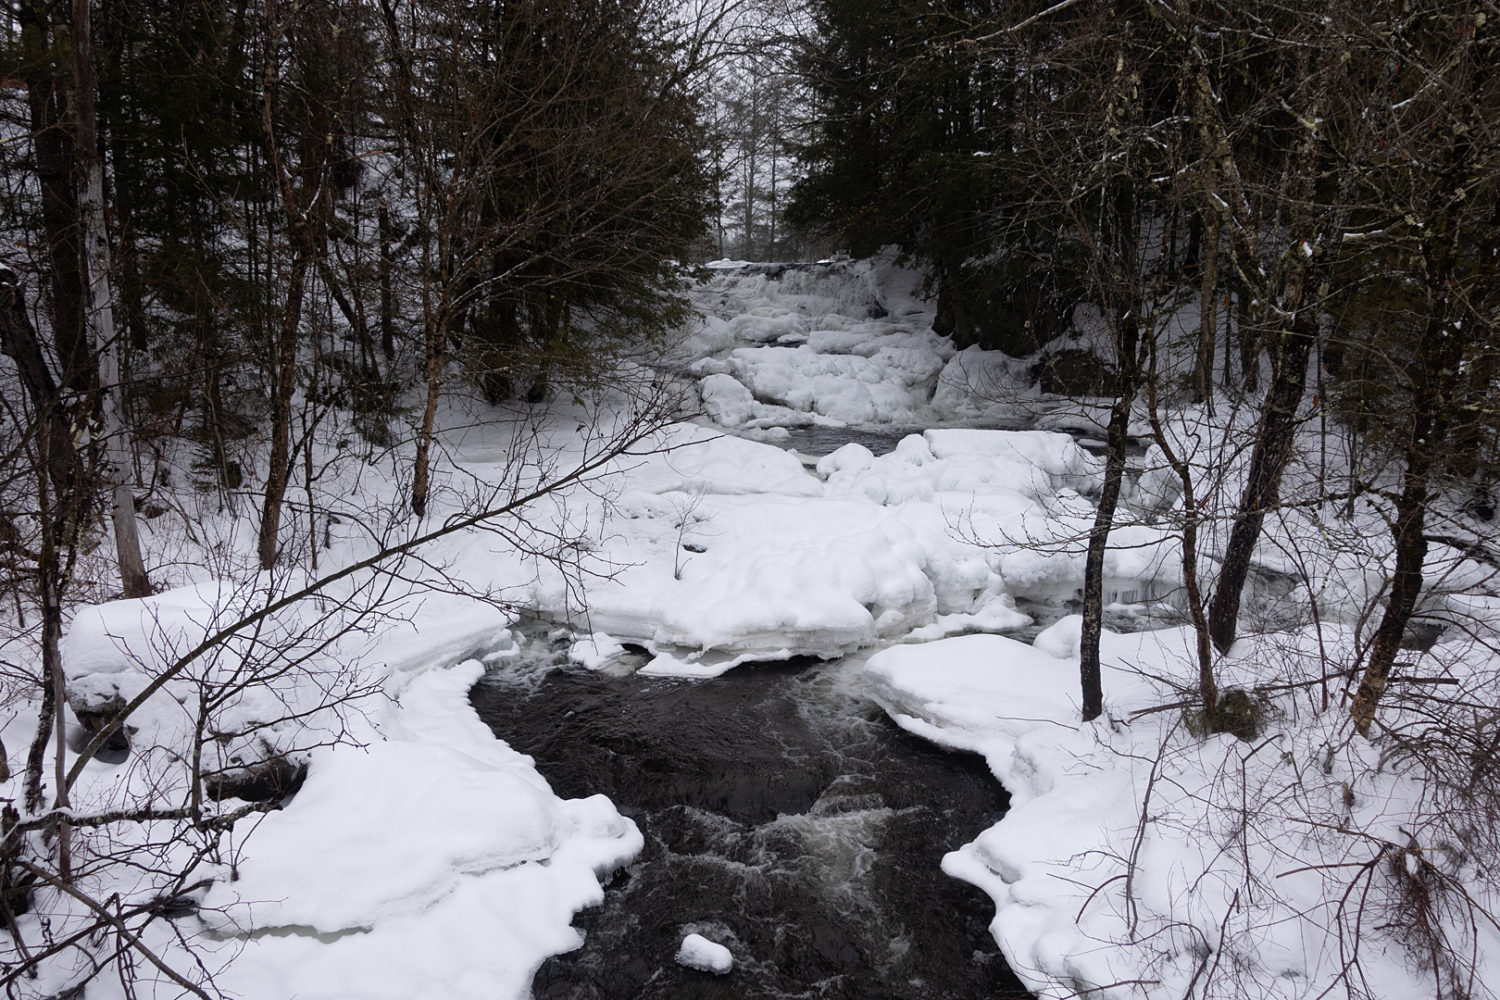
(342, 342)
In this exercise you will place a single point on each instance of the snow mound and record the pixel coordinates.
(888, 387)
(595, 651)
(304, 658)
(1031, 464)
(698, 952)
(727, 401)
(822, 577)
(688, 458)
(436, 840)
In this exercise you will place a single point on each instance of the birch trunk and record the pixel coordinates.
(101, 318)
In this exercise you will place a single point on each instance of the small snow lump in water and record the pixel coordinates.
(698, 952)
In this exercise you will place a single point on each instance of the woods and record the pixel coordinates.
(258, 255)
(1307, 181)
(237, 239)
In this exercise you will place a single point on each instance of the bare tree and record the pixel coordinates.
(1436, 343)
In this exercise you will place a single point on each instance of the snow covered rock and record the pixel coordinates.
(976, 383)
(687, 458)
(727, 401)
(820, 577)
(698, 952)
(595, 650)
(887, 387)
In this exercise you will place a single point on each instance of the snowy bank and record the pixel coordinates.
(1142, 859)
(420, 857)
(435, 862)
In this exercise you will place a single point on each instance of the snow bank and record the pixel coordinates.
(727, 550)
(428, 860)
(277, 679)
(687, 458)
(821, 576)
(977, 384)
(1138, 853)
(887, 387)
(1034, 464)
(435, 862)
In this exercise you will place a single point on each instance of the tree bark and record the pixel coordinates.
(116, 430)
(1273, 449)
(54, 147)
(1438, 371)
(284, 377)
(1090, 674)
(433, 369)
(1208, 687)
(1406, 586)
(1208, 294)
(305, 202)
(19, 341)
(387, 294)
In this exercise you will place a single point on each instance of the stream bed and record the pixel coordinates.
(785, 817)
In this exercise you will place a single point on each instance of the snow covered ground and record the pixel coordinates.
(1139, 858)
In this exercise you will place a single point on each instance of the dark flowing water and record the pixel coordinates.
(785, 817)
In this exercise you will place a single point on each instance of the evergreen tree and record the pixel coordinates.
(915, 142)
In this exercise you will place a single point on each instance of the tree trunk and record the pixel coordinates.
(353, 313)
(433, 367)
(117, 444)
(1438, 371)
(387, 294)
(1273, 449)
(1208, 293)
(53, 144)
(284, 377)
(1406, 585)
(1208, 688)
(1089, 672)
(19, 341)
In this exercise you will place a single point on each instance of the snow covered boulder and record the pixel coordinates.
(698, 952)
(888, 387)
(766, 324)
(976, 382)
(1058, 456)
(727, 401)
(687, 458)
(1034, 465)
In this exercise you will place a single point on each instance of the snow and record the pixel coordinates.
(1085, 890)
(426, 837)
(698, 952)
(687, 458)
(727, 401)
(595, 651)
(425, 858)
(433, 839)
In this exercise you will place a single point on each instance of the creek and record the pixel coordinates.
(785, 817)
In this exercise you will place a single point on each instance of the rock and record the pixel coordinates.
(94, 713)
(276, 777)
(698, 952)
(1075, 372)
